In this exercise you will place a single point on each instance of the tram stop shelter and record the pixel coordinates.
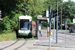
(38, 25)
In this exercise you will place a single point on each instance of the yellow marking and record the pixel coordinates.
(50, 33)
(54, 30)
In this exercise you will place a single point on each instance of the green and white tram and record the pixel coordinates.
(25, 27)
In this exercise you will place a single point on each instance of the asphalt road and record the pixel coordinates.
(20, 45)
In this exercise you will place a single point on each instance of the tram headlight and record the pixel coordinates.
(20, 31)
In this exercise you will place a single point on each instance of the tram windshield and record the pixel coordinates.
(24, 24)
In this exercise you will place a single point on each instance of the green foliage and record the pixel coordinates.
(7, 37)
(52, 25)
(12, 9)
(69, 21)
(68, 11)
(11, 36)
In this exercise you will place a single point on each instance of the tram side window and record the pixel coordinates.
(24, 24)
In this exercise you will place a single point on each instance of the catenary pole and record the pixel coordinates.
(57, 24)
(50, 7)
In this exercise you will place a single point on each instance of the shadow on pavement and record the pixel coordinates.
(67, 33)
(9, 45)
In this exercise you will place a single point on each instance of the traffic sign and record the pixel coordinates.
(0, 13)
(47, 13)
(73, 20)
(48, 20)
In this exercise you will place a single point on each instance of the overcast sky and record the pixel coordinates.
(67, 0)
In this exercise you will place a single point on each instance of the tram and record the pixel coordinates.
(25, 27)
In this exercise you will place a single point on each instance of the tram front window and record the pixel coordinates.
(24, 24)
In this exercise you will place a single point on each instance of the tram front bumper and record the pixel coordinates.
(23, 34)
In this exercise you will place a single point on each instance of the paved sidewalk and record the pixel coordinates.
(61, 45)
(54, 44)
(44, 41)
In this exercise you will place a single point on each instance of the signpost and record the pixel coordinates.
(66, 29)
(1, 15)
(54, 30)
(50, 27)
(73, 20)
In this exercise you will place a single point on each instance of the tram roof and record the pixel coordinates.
(25, 17)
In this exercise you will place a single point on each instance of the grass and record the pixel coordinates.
(11, 36)
(8, 36)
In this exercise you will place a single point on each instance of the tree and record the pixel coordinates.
(68, 10)
(14, 8)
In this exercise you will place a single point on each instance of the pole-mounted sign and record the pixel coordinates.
(0, 15)
(73, 20)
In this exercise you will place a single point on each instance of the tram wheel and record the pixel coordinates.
(30, 35)
(17, 36)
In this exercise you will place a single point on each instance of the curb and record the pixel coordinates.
(54, 45)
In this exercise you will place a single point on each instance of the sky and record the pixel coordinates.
(67, 0)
